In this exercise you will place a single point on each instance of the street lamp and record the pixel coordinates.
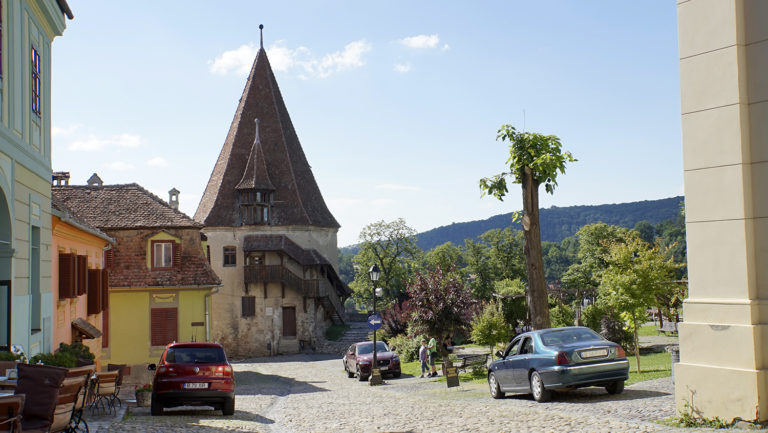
(374, 273)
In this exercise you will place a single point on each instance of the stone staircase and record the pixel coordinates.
(358, 331)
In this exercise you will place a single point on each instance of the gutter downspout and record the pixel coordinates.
(206, 302)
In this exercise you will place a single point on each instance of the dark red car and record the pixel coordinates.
(193, 374)
(359, 357)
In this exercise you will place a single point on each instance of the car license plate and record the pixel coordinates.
(196, 385)
(384, 367)
(594, 353)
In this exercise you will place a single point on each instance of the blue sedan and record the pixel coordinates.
(538, 362)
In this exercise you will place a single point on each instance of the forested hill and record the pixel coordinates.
(558, 223)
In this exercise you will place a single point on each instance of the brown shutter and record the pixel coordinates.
(164, 325)
(94, 291)
(177, 255)
(289, 321)
(105, 328)
(109, 258)
(104, 290)
(248, 306)
(82, 275)
(66, 276)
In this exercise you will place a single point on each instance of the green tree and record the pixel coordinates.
(645, 230)
(440, 304)
(496, 256)
(636, 274)
(444, 256)
(512, 296)
(594, 242)
(391, 245)
(489, 327)
(534, 159)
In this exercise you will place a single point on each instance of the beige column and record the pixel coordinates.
(723, 46)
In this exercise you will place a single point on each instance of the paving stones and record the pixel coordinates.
(311, 393)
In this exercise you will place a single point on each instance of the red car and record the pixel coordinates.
(359, 357)
(193, 374)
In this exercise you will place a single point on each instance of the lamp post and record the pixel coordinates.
(374, 273)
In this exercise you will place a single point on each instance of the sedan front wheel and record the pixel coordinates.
(540, 393)
(494, 386)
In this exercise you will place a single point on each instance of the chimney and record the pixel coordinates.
(173, 198)
(95, 180)
(60, 178)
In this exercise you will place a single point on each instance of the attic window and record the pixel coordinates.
(255, 206)
(163, 254)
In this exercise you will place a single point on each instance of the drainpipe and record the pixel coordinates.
(206, 302)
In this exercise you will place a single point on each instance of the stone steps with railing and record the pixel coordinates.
(358, 331)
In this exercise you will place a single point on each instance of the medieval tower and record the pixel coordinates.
(270, 236)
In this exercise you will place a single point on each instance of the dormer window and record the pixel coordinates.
(165, 254)
(255, 206)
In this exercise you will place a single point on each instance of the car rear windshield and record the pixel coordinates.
(568, 336)
(362, 349)
(195, 355)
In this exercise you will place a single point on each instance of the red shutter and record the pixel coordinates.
(109, 258)
(82, 275)
(94, 291)
(164, 326)
(104, 290)
(177, 255)
(66, 276)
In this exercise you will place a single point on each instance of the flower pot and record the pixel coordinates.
(143, 398)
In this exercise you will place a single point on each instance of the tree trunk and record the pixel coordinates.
(637, 343)
(538, 304)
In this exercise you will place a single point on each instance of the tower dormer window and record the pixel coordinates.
(255, 206)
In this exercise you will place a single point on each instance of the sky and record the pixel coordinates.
(396, 104)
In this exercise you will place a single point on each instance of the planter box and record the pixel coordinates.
(143, 399)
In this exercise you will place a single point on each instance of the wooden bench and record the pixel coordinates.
(471, 360)
(668, 327)
(11, 407)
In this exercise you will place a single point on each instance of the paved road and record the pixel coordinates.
(311, 393)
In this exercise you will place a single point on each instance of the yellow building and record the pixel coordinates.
(159, 279)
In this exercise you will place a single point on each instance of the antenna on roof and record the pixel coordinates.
(261, 35)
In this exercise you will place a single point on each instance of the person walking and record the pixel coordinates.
(432, 348)
(423, 358)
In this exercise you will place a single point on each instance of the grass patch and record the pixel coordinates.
(334, 332)
(648, 330)
(652, 366)
(414, 369)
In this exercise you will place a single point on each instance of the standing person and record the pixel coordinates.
(423, 358)
(432, 348)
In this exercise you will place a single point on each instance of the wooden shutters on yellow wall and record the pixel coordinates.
(82, 275)
(66, 276)
(164, 326)
(94, 291)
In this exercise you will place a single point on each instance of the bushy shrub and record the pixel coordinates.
(79, 350)
(58, 359)
(561, 315)
(395, 318)
(8, 356)
(407, 348)
(592, 317)
(614, 329)
(489, 327)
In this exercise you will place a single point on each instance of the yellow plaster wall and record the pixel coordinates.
(192, 309)
(129, 327)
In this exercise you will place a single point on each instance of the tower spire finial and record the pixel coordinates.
(261, 35)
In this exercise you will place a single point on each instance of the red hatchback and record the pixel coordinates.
(193, 374)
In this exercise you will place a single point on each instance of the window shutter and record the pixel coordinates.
(164, 325)
(177, 255)
(104, 290)
(248, 306)
(66, 276)
(105, 329)
(109, 258)
(94, 291)
(82, 275)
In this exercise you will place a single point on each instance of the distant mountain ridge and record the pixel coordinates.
(557, 223)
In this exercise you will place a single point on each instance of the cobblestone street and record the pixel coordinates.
(311, 393)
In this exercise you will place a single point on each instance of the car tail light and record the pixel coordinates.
(562, 358)
(224, 370)
(620, 352)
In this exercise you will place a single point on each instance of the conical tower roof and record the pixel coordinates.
(297, 198)
(255, 175)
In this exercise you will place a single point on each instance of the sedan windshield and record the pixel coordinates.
(365, 348)
(568, 336)
(195, 355)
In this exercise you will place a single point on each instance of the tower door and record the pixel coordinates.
(289, 321)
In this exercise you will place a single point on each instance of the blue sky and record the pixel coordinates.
(396, 103)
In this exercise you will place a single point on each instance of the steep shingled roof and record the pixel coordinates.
(297, 199)
(111, 207)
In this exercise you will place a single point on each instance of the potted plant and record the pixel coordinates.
(144, 395)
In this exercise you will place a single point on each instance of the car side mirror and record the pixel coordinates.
(152, 367)
(499, 354)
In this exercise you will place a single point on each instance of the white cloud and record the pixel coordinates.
(238, 60)
(158, 161)
(58, 131)
(119, 166)
(421, 41)
(396, 187)
(446, 47)
(283, 58)
(402, 67)
(95, 143)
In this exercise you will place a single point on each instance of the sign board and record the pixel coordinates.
(375, 377)
(374, 321)
(451, 375)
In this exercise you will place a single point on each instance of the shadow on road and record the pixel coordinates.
(253, 383)
(595, 395)
(193, 417)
